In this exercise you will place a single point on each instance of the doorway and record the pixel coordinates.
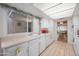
(62, 30)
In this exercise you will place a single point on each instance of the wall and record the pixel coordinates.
(76, 27)
(55, 35)
(36, 26)
(45, 23)
(70, 30)
(3, 21)
(76, 38)
(52, 27)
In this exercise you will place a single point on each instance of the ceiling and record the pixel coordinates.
(56, 10)
(47, 10)
(28, 7)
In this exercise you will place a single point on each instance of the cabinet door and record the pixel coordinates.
(42, 44)
(77, 49)
(22, 50)
(34, 48)
(50, 40)
(47, 40)
(76, 46)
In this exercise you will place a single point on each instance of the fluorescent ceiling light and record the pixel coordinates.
(44, 6)
(61, 15)
(60, 8)
(63, 12)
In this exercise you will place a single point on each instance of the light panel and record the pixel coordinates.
(62, 14)
(60, 8)
(44, 6)
(58, 11)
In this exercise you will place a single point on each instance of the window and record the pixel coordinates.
(18, 24)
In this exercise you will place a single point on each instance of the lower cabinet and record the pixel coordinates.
(48, 40)
(76, 48)
(42, 44)
(18, 50)
(34, 47)
(31, 48)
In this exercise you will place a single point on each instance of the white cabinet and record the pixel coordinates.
(42, 43)
(76, 47)
(34, 47)
(48, 40)
(22, 50)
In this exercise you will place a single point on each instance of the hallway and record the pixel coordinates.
(59, 48)
(45, 29)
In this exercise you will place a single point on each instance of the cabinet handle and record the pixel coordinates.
(18, 50)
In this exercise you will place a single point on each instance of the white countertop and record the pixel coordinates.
(14, 39)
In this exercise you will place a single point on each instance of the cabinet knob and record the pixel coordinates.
(18, 50)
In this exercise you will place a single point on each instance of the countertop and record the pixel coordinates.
(14, 39)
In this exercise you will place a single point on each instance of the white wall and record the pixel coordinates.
(70, 30)
(36, 25)
(52, 27)
(76, 27)
(54, 34)
(76, 38)
(44, 23)
(3, 22)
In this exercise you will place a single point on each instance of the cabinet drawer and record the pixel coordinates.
(21, 50)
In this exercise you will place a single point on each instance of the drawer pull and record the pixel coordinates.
(18, 50)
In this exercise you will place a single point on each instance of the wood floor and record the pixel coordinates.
(59, 48)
